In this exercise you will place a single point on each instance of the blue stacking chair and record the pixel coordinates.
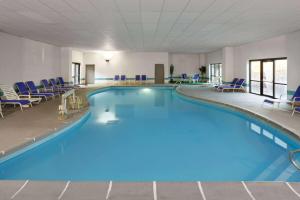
(144, 77)
(123, 77)
(117, 78)
(137, 78)
(184, 77)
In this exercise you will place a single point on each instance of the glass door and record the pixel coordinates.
(268, 81)
(215, 71)
(76, 73)
(281, 79)
(268, 77)
(255, 77)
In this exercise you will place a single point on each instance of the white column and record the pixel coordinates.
(228, 64)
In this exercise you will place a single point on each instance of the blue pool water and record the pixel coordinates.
(146, 134)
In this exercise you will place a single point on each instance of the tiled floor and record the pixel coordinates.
(18, 129)
(32, 190)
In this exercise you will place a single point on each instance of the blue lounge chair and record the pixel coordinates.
(144, 77)
(54, 84)
(62, 83)
(11, 97)
(196, 78)
(296, 96)
(296, 110)
(34, 90)
(237, 86)
(50, 88)
(1, 110)
(232, 83)
(25, 92)
(294, 100)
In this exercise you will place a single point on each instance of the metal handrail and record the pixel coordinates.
(64, 97)
(291, 157)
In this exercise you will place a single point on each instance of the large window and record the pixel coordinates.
(215, 73)
(268, 77)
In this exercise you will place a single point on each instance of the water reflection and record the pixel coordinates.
(261, 131)
(107, 116)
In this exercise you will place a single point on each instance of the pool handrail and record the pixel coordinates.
(291, 157)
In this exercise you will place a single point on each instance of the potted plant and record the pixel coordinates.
(171, 73)
(202, 70)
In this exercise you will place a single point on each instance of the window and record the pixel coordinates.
(215, 73)
(268, 77)
(76, 73)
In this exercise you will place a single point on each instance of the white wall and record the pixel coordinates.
(23, 59)
(271, 48)
(128, 63)
(214, 57)
(293, 53)
(282, 46)
(66, 63)
(186, 63)
(228, 64)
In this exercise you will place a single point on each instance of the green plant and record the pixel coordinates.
(202, 70)
(171, 73)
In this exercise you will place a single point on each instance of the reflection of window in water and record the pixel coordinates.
(268, 134)
(257, 129)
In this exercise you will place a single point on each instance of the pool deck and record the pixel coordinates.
(31, 190)
(19, 129)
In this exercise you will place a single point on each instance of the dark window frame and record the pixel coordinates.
(261, 76)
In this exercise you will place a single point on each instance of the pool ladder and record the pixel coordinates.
(291, 157)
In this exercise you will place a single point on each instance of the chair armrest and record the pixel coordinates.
(296, 99)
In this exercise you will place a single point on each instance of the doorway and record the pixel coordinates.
(159, 74)
(90, 74)
(268, 77)
(76, 73)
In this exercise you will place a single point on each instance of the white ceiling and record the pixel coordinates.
(149, 25)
